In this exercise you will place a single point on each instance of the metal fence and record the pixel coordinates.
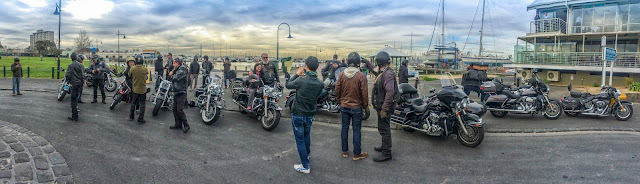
(623, 59)
(554, 25)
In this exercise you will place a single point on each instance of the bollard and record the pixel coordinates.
(52, 72)
(28, 71)
(4, 71)
(235, 68)
(245, 68)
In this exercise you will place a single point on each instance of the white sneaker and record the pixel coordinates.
(299, 168)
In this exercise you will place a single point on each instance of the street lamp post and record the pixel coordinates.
(317, 50)
(123, 37)
(59, 13)
(278, 39)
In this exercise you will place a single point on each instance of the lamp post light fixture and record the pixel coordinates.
(123, 37)
(59, 13)
(317, 50)
(278, 39)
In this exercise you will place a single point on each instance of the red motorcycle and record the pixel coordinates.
(121, 95)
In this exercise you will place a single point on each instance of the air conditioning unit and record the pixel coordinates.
(524, 74)
(553, 76)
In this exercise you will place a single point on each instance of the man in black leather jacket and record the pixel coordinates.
(179, 79)
(75, 77)
(98, 69)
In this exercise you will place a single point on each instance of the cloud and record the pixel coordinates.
(250, 25)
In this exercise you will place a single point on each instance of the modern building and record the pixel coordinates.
(40, 35)
(564, 40)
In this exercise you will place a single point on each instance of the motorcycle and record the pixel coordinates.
(266, 108)
(530, 99)
(163, 97)
(609, 101)
(121, 95)
(209, 99)
(442, 114)
(110, 83)
(327, 100)
(64, 89)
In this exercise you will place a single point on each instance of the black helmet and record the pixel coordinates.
(353, 59)
(382, 58)
(335, 56)
(159, 56)
(405, 62)
(195, 58)
(206, 57)
(178, 60)
(139, 59)
(226, 58)
(74, 56)
(95, 56)
(16, 59)
(81, 57)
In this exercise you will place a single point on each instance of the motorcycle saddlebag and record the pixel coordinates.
(496, 100)
(571, 103)
(490, 87)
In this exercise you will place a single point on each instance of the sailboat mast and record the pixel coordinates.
(481, 29)
(443, 23)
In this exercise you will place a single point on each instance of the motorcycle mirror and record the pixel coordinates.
(534, 71)
(432, 90)
(518, 80)
(500, 80)
(569, 86)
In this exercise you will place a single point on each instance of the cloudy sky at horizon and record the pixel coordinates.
(249, 26)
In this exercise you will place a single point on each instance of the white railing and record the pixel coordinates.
(623, 59)
(554, 25)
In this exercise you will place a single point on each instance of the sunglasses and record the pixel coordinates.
(265, 57)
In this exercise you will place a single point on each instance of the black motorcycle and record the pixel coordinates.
(327, 100)
(444, 113)
(609, 101)
(209, 99)
(110, 84)
(530, 99)
(265, 104)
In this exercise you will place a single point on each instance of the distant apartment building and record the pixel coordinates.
(40, 35)
(564, 40)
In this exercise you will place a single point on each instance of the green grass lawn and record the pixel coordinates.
(38, 69)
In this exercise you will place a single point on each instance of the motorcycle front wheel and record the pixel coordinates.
(157, 107)
(111, 86)
(116, 99)
(61, 95)
(211, 116)
(554, 111)
(475, 137)
(623, 115)
(271, 119)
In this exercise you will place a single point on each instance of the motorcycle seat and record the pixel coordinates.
(419, 105)
(510, 94)
(405, 88)
(579, 95)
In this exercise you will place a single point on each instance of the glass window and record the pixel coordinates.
(587, 17)
(609, 15)
(577, 17)
(623, 13)
(634, 16)
(598, 19)
(634, 27)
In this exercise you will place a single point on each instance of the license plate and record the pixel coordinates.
(397, 112)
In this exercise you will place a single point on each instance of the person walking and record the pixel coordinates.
(98, 69)
(179, 77)
(382, 99)
(308, 88)
(471, 80)
(227, 68)
(16, 68)
(403, 73)
(194, 70)
(75, 76)
(207, 67)
(138, 76)
(351, 93)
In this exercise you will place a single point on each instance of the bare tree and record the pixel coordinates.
(83, 42)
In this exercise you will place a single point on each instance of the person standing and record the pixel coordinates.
(75, 77)
(227, 68)
(194, 70)
(471, 80)
(207, 66)
(81, 59)
(308, 88)
(403, 73)
(179, 77)
(138, 74)
(328, 72)
(351, 93)
(169, 66)
(98, 69)
(382, 99)
(16, 68)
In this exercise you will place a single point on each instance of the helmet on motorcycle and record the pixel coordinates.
(81, 57)
(382, 58)
(74, 56)
(353, 59)
(139, 59)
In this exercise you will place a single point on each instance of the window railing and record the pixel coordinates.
(553, 25)
(623, 59)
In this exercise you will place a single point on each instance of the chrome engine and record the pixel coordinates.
(527, 105)
(331, 106)
(431, 126)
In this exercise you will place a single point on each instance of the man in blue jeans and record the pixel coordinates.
(16, 68)
(308, 88)
(351, 93)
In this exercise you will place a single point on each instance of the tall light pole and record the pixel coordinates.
(317, 50)
(123, 37)
(278, 39)
(59, 13)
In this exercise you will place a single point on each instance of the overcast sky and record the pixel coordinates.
(250, 26)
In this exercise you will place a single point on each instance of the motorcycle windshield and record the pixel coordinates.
(446, 80)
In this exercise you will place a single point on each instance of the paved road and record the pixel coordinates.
(103, 147)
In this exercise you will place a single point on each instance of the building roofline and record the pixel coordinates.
(567, 67)
(579, 34)
(544, 4)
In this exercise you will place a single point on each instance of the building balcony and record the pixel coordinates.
(579, 59)
(553, 26)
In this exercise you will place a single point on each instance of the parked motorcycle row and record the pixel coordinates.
(446, 112)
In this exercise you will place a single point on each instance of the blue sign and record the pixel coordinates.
(93, 49)
(610, 54)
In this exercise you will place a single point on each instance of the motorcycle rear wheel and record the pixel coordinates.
(499, 114)
(473, 140)
(111, 86)
(157, 107)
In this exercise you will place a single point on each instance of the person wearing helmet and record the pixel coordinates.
(179, 77)
(351, 92)
(227, 68)
(98, 69)
(138, 75)
(194, 71)
(158, 66)
(328, 72)
(75, 77)
(207, 66)
(403, 73)
(382, 98)
(16, 68)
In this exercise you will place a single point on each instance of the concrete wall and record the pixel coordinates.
(584, 78)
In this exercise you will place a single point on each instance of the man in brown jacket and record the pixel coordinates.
(351, 93)
(139, 75)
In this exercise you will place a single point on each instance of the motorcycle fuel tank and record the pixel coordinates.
(529, 92)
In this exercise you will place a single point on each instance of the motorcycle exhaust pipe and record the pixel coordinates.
(508, 110)
(407, 126)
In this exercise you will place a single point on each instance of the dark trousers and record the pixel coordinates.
(74, 100)
(252, 94)
(80, 94)
(468, 89)
(98, 83)
(178, 109)
(385, 131)
(138, 100)
(353, 117)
